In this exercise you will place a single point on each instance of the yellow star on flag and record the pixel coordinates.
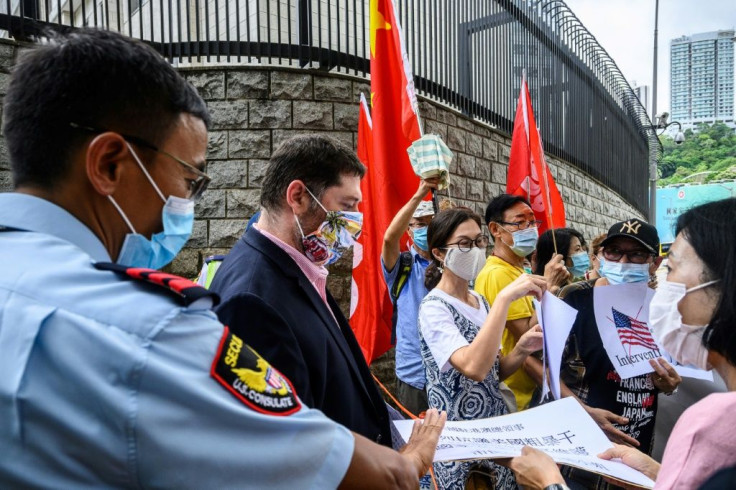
(377, 22)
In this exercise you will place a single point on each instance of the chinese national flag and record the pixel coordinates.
(390, 180)
(370, 306)
(528, 174)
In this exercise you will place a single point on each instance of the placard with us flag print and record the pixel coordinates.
(622, 316)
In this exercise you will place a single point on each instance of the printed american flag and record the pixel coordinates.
(632, 331)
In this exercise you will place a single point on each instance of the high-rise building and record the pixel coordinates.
(702, 78)
(643, 93)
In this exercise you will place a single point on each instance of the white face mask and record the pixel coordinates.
(466, 265)
(683, 342)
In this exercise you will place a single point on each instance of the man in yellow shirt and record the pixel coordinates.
(512, 225)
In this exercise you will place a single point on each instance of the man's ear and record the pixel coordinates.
(297, 197)
(493, 229)
(103, 159)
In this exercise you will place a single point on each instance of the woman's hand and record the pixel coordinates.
(633, 458)
(531, 341)
(533, 469)
(665, 378)
(525, 285)
(555, 272)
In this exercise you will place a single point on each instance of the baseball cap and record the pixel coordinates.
(425, 208)
(635, 229)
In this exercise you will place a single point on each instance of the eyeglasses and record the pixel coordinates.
(465, 244)
(196, 186)
(521, 225)
(633, 256)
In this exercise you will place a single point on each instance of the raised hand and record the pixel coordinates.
(525, 285)
(423, 440)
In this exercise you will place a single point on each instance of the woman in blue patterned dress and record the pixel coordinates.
(460, 336)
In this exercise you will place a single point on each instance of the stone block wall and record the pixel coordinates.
(254, 109)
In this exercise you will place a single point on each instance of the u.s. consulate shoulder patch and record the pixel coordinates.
(251, 378)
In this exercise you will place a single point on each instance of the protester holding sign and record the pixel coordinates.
(623, 406)
(693, 317)
(513, 227)
(460, 335)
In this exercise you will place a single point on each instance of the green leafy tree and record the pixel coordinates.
(710, 148)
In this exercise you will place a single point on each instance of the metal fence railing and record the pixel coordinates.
(467, 54)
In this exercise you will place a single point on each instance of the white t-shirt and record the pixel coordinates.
(438, 327)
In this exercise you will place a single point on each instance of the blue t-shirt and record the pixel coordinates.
(409, 367)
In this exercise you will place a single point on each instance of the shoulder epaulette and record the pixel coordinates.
(185, 290)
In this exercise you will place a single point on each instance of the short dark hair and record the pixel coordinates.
(499, 205)
(546, 247)
(711, 230)
(439, 231)
(93, 78)
(318, 161)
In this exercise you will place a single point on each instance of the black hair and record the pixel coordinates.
(711, 230)
(439, 232)
(93, 78)
(318, 161)
(546, 248)
(499, 204)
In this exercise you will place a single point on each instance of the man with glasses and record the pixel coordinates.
(119, 376)
(624, 409)
(309, 217)
(513, 227)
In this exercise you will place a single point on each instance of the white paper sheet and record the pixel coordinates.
(556, 318)
(562, 429)
(622, 315)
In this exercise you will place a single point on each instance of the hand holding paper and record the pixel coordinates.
(534, 468)
(562, 429)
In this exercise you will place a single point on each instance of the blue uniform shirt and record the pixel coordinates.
(409, 368)
(106, 382)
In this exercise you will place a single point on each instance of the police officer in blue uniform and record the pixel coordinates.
(114, 374)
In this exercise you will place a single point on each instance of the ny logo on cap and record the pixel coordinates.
(631, 227)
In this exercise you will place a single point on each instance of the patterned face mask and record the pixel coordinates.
(338, 231)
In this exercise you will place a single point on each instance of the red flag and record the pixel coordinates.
(390, 180)
(527, 165)
(370, 306)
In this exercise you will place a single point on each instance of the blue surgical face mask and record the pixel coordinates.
(177, 216)
(525, 241)
(420, 238)
(618, 273)
(580, 264)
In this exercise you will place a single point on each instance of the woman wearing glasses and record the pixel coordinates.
(460, 335)
(693, 316)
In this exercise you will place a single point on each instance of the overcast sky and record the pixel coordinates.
(625, 28)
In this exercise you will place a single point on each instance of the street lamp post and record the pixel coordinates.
(653, 155)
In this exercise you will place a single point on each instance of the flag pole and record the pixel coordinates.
(548, 203)
(546, 189)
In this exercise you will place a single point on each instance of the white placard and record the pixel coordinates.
(556, 318)
(562, 429)
(622, 315)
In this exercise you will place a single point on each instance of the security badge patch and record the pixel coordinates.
(251, 378)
